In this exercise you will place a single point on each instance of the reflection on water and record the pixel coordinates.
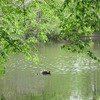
(73, 76)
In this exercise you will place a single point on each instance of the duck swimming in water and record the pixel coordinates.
(45, 72)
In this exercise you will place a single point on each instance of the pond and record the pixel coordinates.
(73, 76)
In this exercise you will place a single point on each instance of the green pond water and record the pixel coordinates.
(73, 76)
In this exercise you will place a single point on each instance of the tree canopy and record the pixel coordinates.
(23, 23)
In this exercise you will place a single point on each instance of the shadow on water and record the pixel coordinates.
(2, 97)
(94, 84)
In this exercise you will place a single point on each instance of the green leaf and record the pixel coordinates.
(36, 59)
(27, 56)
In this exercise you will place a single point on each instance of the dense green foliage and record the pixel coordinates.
(25, 23)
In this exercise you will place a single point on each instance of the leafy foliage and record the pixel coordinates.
(25, 23)
(80, 18)
(13, 26)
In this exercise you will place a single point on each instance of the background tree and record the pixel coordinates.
(23, 23)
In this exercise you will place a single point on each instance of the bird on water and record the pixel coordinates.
(45, 72)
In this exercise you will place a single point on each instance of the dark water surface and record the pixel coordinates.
(73, 76)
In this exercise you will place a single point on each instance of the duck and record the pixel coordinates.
(45, 72)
